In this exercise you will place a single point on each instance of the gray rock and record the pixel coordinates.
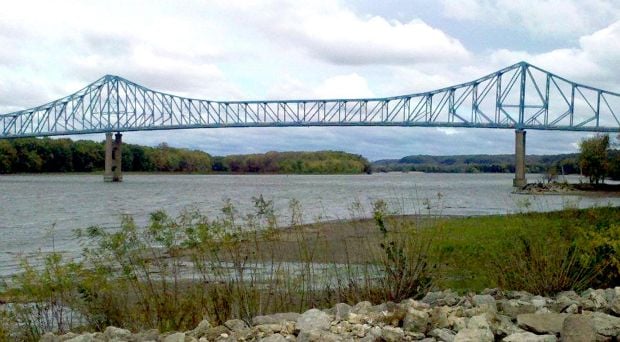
(392, 334)
(447, 297)
(416, 320)
(341, 311)
(445, 335)
(502, 325)
(478, 322)
(273, 338)
(439, 317)
(200, 330)
(114, 333)
(539, 302)
(374, 334)
(313, 319)
(66, 336)
(614, 305)
(594, 300)
(578, 328)
(235, 325)
(474, 335)
(605, 324)
(563, 303)
(317, 335)
(542, 323)
(361, 308)
(149, 335)
(531, 337)
(215, 332)
(175, 337)
(277, 318)
(515, 307)
(485, 301)
(84, 338)
(48, 337)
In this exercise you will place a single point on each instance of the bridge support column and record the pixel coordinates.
(519, 180)
(113, 158)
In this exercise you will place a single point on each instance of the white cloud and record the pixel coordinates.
(331, 32)
(593, 61)
(290, 49)
(560, 18)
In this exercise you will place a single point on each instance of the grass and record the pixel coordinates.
(175, 271)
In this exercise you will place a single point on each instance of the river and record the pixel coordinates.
(40, 212)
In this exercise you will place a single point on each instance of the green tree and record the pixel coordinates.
(8, 157)
(593, 158)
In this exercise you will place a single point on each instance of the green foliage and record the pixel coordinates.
(408, 269)
(538, 252)
(64, 155)
(593, 158)
(322, 162)
(504, 163)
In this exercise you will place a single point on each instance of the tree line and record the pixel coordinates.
(502, 163)
(36, 155)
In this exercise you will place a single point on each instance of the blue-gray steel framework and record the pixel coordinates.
(521, 96)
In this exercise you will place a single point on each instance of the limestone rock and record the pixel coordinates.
(474, 335)
(313, 319)
(530, 337)
(578, 328)
(84, 338)
(201, 329)
(445, 335)
(542, 323)
(215, 332)
(114, 333)
(273, 338)
(614, 305)
(341, 311)
(515, 307)
(485, 301)
(277, 318)
(175, 337)
(447, 297)
(478, 322)
(392, 334)
(416, 320)
(235, 325)
(317, 336)
(594, 299)
(361, 308)
(605, 324)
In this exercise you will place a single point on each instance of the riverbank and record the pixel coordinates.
(575, 189)
(492, 315)
(171, 273)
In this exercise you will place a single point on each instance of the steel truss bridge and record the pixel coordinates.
(520, 97)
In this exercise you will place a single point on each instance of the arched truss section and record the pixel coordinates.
(521, 96)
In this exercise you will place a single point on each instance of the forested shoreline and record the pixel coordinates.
(45, 155)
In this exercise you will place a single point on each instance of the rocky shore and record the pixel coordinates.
(493, 315)
(562, 188)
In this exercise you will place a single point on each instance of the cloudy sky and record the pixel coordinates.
(231, 50)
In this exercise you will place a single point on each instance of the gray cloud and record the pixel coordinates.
(278, 49)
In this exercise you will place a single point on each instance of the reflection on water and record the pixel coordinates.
(30, 206)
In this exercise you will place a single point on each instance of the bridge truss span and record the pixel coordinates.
(520, 97)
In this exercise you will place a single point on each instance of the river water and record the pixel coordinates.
(40, 212)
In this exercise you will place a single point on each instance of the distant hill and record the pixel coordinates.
(477, 163)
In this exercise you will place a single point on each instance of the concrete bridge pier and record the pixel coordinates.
(519, 180)
(113, 160)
